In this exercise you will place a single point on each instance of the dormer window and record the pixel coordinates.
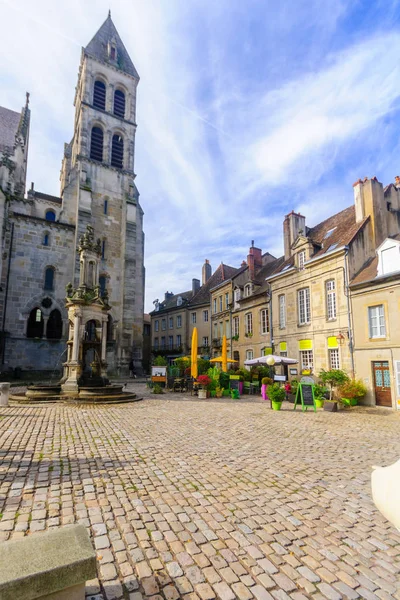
(302, 259)
(179, 301)
(112, 51)
(388, 257)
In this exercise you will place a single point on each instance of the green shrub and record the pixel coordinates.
(267, 381)
(202, 366)
(276, 393)
(320, 391)
(224, 380)
(160, 361)
(354, 388)
(157, 389)
(334, 378)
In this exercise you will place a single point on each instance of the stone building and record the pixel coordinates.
(41, 232)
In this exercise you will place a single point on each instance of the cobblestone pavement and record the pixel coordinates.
(201, 499)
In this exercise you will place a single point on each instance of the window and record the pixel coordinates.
(179, 321)
(235, 326)
(220, 303)
(179, 301)
(194, 317)
(221, 329)
(105, 208)
(35, 324)
(227, 329)
(49, 278)
(236, 355)
(205, 341)
(214, 305)
(50, 215)
(227, 300)
(330, 287)
(248, 323)
(170, 342)
(96, 144)
(179, 340)
(264, 313)
(54, 325)
(156, 343)
(113, 53)
(237, 296)
(205, 316)
(171, 322)
(103, 249)
(334, 362)
(119, 103)
(376, 320)
(117, 151)
(163, 342)
(102, 284)
(283, 353)
(156, 325)
(282, 311)
(303, 303)
(163, 324)
(249, 355)
(247, 290)
(302, 259)
(99, 95)
(306, 359)
(46, 239)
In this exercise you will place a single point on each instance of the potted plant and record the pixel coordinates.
(276, 394)
(351, 391)
(319, 395)
(265, 381)
(334, 378)
(204, 381)
(219, 391)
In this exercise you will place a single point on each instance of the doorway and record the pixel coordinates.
(383, 395)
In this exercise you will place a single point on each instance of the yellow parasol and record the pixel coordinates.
(193, 366)
(219, 359)
(224, 355)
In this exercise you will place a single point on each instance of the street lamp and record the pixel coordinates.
(270, 361)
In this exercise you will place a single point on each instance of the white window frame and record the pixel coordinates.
(302, 260)
(247, 290)
(194, 318)
(249, 354)
(334, 358)
(236, 324)
(304, 306)
(156, 325)
(170, 322)
(163, 324)
(282, 311)
(170, 342)
(376, 320)
(330, 291)
(226, 300)
(205, 341)
(163, 342)
(306, 359)
(248, 323)
(205, 316)
(264, 321)
(178, 340)
(179, 321)
(214, 306)
(220, 304)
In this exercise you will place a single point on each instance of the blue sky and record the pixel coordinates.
(246, 110)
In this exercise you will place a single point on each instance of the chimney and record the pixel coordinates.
(397, 181)
(195, 286)
(244, 263)
(206, 271)
(370, 202)
(293, 226)
(168, 295)
(254, 260)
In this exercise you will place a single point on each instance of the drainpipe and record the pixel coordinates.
(349, 315)
(271, 321)
(6, 295)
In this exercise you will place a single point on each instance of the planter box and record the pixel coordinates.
(330, 406)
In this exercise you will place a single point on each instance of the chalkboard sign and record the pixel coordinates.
(305, 396)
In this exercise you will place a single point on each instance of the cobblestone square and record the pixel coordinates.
(202, 499)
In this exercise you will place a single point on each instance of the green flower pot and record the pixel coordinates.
(276, 405)
(319, 402)
(349, 401)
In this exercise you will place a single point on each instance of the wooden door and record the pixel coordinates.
(383, 396)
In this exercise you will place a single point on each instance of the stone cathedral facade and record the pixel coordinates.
(40, 233)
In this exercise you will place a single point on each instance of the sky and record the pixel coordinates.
(247, 109)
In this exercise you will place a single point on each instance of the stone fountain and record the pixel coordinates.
(85, 370)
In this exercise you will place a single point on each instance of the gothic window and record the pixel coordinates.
(117, 151)
(103, 249)
(105, 209)
(99, 95)
(50, 215)
(49, 278)
(35, 324)
(54, 325)
(119, 104)
(102, 283)
(46, 239)
(96, 144)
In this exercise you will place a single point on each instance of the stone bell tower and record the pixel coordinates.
(98, 188)
(88, 310)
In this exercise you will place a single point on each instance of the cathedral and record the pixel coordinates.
(40, 233)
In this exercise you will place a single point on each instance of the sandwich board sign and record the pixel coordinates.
(305, 396)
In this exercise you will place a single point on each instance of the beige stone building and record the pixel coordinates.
(40, 233)
(375, 309)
